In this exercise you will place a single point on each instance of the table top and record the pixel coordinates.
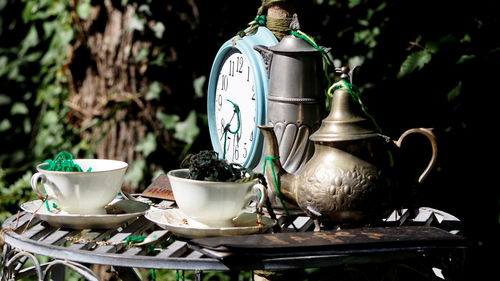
(111, 247)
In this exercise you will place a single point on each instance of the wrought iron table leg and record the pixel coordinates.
(12, 268)
(127, 273)
(198, 275)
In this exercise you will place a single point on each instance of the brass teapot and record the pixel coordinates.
(352, 177)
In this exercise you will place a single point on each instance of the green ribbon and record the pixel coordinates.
(356, 95)
(177, 275)
(47, 206)
(260, 20)
(302, 35)
(277, 183)
(327, 57)
(135, 239)
(150, 247)
(63, 162)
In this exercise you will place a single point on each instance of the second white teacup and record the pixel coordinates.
(214, 204)
(81, 192)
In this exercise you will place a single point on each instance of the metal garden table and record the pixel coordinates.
(25, 235)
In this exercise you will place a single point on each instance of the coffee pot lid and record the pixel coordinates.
(292, 44)
(343, 123)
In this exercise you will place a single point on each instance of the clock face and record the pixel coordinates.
(236, 98)
(235, 107)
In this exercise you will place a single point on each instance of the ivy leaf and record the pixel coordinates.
(198, 85)
(413, 61)
(187, 131)
(154, 91)
(158, 29)
(5, 125)
(167, 120)
(4, 99)
(455, 92)
(135, 174)
(83, 9)
(147, 145)
(465, 58)
(19, 108)
(136, 23)
(30, 40)
(353, 3)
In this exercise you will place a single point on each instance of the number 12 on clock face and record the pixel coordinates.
(235, 107)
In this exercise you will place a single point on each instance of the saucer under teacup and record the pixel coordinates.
(182, 225)
(118, 212)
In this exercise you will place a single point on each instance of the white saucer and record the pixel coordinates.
(180, 224)
(119, 211)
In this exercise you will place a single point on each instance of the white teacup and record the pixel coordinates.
(81, 192)
(214, 204)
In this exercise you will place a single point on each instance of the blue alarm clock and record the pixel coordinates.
(237, 90)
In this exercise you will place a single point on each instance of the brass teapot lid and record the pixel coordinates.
(343, 123)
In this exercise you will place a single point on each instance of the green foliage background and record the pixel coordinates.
(423, 64)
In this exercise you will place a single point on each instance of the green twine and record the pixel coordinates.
(134, 239)
(47, 206)
(227, 128)
(327, 57)
(138, 239)
(302, 35)
(260, 20)
(278, 26)
(63, 162)
(355, 95)
(152, 274)
(277, 184)
(177, 275)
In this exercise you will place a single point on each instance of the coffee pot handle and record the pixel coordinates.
(432, 138)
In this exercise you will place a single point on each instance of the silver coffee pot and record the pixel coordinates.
(295, 101)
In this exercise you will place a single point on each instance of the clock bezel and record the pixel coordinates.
(245, 46)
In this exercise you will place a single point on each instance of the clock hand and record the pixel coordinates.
(236, 111)
(227, 128)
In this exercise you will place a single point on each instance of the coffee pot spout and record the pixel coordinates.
(279, 180)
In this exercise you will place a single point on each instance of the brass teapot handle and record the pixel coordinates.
(432, 138)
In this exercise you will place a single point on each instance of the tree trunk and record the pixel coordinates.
(107, 83)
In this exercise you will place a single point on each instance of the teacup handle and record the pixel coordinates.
(432, 139)
(263, 194)
(34, 182)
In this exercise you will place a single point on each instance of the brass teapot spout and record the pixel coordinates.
(352, 178)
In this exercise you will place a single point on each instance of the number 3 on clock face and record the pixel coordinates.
(237, 99)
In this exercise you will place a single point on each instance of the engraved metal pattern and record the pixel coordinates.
(332, 190)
